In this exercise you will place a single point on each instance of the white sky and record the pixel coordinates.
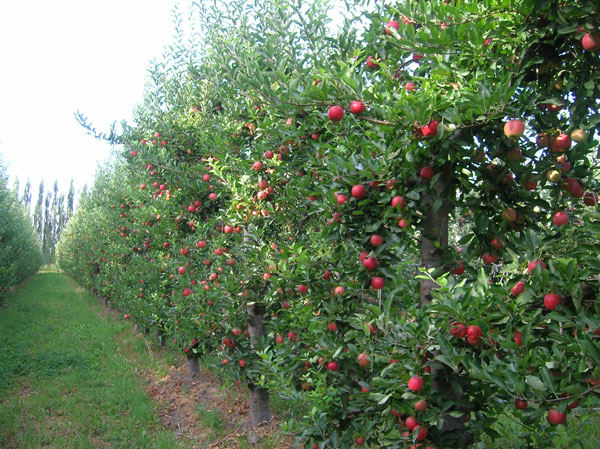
(57, 57)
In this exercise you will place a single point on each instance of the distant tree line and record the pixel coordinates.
(49, 214)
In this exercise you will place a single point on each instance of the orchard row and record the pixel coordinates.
(393, 225)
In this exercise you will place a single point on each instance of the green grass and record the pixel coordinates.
(65, 379)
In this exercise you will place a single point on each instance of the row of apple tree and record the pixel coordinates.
(20, 249)
(390, 220)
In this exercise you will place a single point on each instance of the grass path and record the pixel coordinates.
(64, 379)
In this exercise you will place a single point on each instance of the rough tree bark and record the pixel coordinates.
(192, 368)
(260, 409)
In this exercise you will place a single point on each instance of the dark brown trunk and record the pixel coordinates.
(260, 409)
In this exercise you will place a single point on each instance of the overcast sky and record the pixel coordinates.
(57, 57)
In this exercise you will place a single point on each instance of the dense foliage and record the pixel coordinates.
(20, 250)
(408, 198)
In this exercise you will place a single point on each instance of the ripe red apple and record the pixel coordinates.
(430, 129)
(460, 268)
(370, 263)
(517, 289)
(363, 359)
(335, 113)
(372, 62)
(490, 258)
(242, 363)
(410, 86)
(513, 129)
(403, 223)
(552, 300)
(590, 41)
(359, 441)
(426, 172)
(474, 331)
(341, 198)
(398, 201)
(279, 339)
(358, 191)
(333, 366)
(415, 383)
(560, 143)
(518, 338)
(421, 406)
(521, 404)
(421, 433)
(391, 24)
(459, 330)
(411, 423)
(303, 288)
(332, 326)
(590, 199)
(560, 218)
(530, 184)
(377, 283)
(555, 417)
(531, 266)
(181, 270)
(187, 292)
(357, 107)
(376, 240)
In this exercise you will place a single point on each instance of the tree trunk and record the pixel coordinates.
(192, 368)
(435, 233)
(434, 243)
(260, 410)
(160, 337)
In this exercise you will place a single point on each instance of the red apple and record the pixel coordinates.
(363, 359)
(521, 404)
(518, 338)
(415, 383)
(426, 172)
(513, 129)
(560, 218)
(590, 42)
(372, 62)
(590, 199)
(552, 300)
(376, 240)
(333, 366)
(370, 263)
(391, 24)
(459, 330)
(555, 417)
(430, 129)
(332, 326)
(358, 191)
(421, 406)
(531, 266)
(517, 289)
(341, 198)
(303, 288)
(335, 113)
(357, 107)
(242, 363)
(398, 201)
(377, 283)
(460, 268)
(411, 423)
(490, 258)
(560, 143)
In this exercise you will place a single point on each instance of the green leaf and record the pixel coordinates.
(535, 383)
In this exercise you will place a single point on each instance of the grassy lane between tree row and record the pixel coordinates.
(65, 381)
